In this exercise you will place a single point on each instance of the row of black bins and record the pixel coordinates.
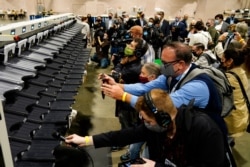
(43, 105)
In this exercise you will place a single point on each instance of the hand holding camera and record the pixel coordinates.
(104, 80)
(109, 79)
(110, 87)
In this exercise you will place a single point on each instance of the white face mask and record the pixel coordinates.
(150, 23)
(155, 128)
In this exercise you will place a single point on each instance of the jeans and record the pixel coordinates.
(134, 150)
(145, 152)
(103, 62)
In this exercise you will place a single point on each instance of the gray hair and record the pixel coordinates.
(152, 68)
(242, 28)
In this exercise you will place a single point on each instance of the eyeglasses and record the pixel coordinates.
(169, 63)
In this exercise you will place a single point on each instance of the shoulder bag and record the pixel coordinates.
(244, 94)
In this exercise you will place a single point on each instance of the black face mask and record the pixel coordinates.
(110, 17)
(195, 54)
(155, 128)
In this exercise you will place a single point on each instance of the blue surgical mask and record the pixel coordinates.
(216, 22)
(155, 128)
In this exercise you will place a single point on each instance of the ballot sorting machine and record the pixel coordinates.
(42, 66)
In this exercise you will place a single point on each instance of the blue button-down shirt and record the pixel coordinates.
(194, 89)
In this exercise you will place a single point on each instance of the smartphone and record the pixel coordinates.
(103, 81)
(103, 78)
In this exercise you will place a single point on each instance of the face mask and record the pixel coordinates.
(110, 17)
(216, 22)
(128, 51)
(195, 54)
(154, 128)
(176, 19)
(143, 79)
(167, 70)
(150, 23)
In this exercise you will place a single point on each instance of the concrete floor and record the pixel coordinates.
(90, 102)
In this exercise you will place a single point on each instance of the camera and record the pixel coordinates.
(116, 76)
(120, 38)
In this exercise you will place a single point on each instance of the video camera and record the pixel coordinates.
(121, 38)
(119, 42)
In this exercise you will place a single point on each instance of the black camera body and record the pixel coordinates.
(120, 38)
(116, 76)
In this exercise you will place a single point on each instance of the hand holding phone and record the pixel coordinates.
(102, 77)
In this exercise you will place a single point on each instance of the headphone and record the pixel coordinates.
(140, 52)
(162, 118)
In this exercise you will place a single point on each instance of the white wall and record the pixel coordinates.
(194, 8)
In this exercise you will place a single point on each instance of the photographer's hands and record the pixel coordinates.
(112, 89)
(106, 79)
(222, 37)
(79, 140)
(148, 163)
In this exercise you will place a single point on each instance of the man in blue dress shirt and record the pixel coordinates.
(177, 63)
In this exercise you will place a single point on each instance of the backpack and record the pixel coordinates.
(212, 62)
(221, 83)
